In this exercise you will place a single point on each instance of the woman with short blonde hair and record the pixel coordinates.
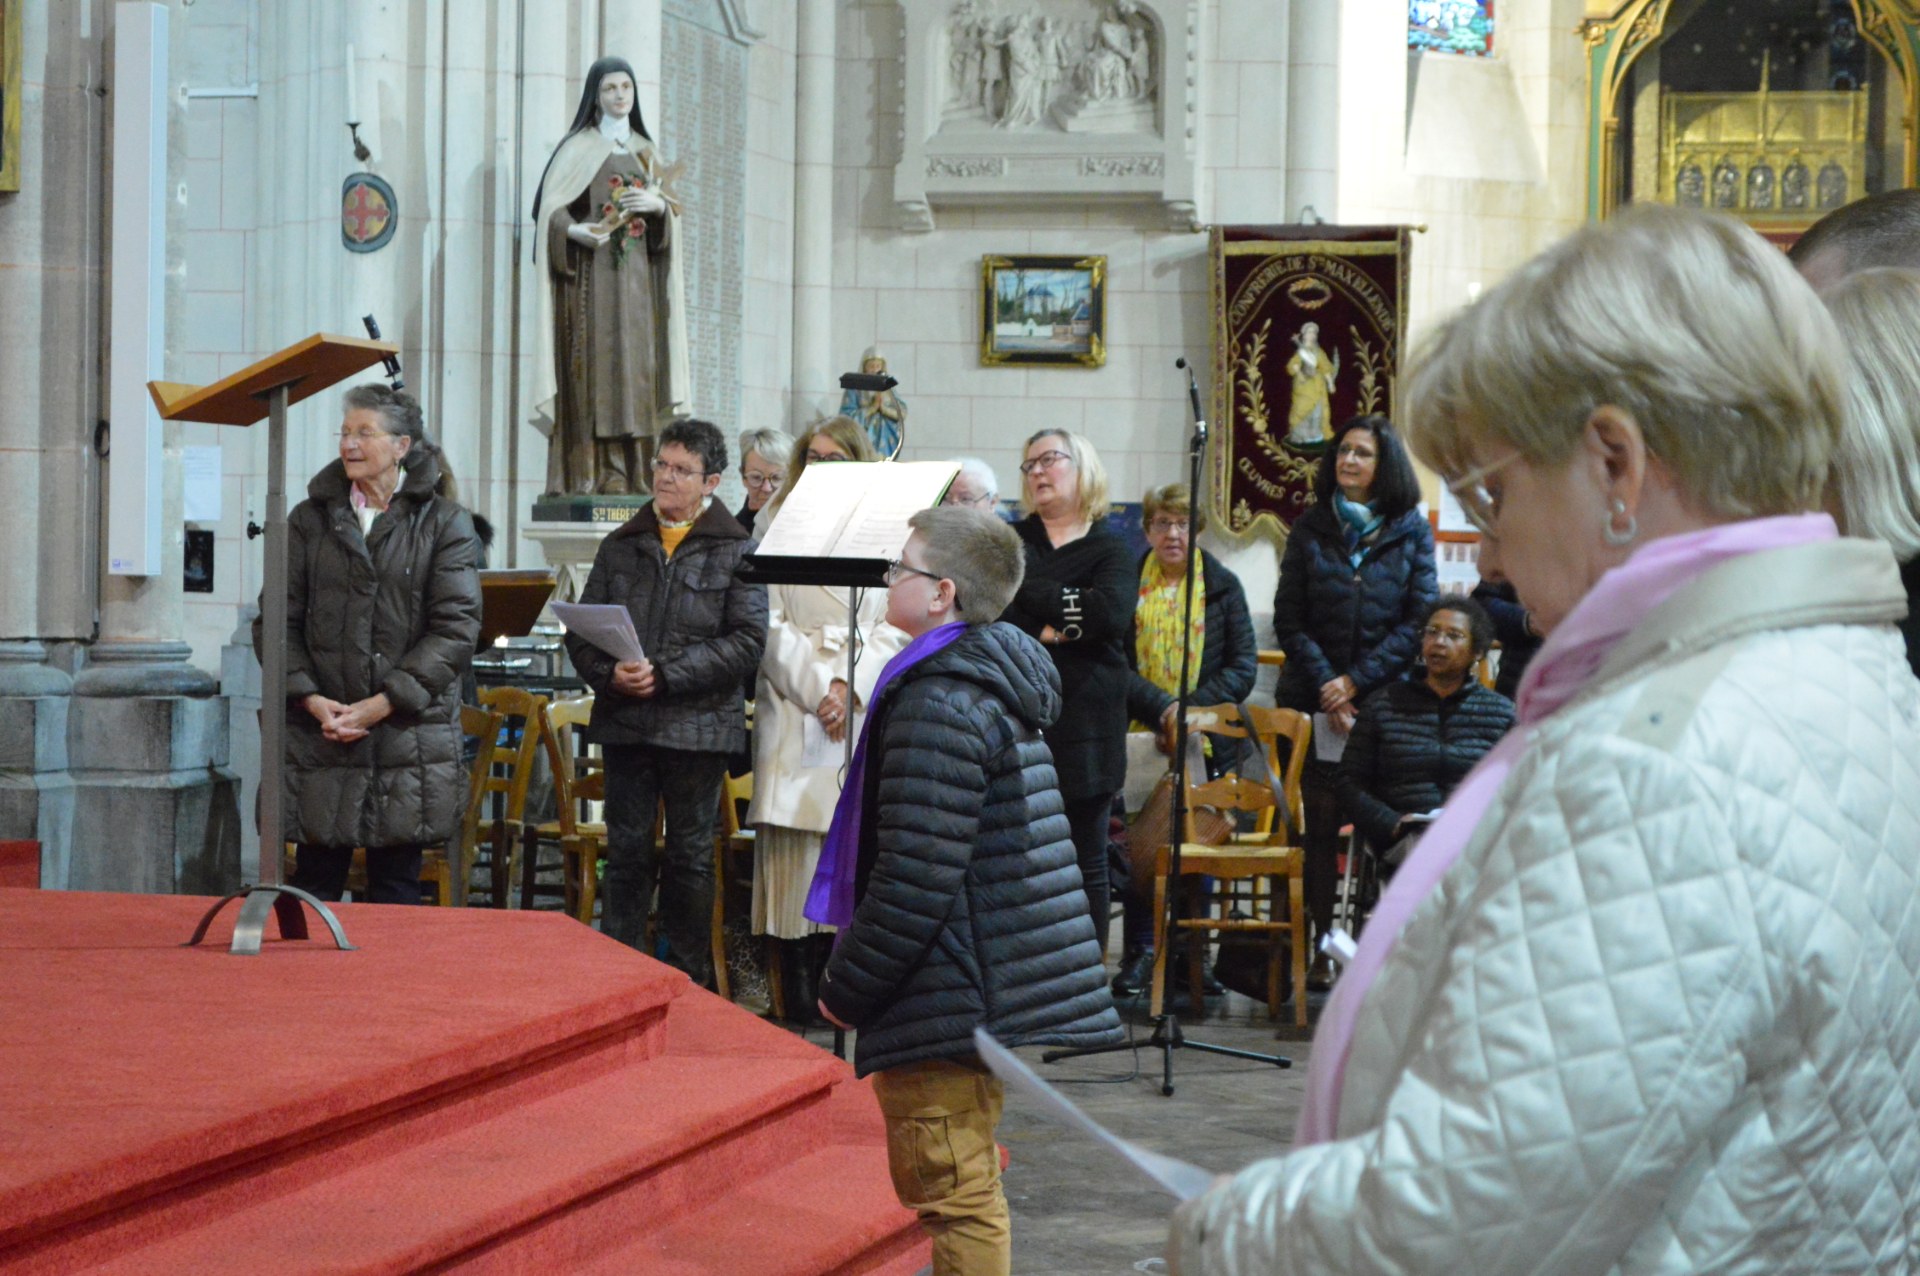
(1876, 474)
(1078, 600)
(1641, 1000)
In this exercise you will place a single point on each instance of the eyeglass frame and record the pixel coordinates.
(1045, 461)
(1476, 502)
(759, 481)
(680, 473)
(364, 436)
(897, 565)
(826, 458)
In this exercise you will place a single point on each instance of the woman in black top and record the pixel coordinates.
(1078, 599)
(1355, 584)
(1416, 740)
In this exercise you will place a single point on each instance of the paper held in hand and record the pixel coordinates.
(1182, 1180)
(855, 509)
(608, 626)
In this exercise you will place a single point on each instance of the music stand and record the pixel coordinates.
(1167, 1035)
(852, 574)
(265, 390)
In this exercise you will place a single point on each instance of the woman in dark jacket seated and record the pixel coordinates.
(1355, 585)
(1415, 740)
(1221, 672)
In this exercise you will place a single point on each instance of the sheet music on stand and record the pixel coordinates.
(854, 509)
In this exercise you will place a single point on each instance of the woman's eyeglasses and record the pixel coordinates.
(814, 458)
(678, 473)
(757, 481)
(1045, 461)
(362, 437)
(1481, 506)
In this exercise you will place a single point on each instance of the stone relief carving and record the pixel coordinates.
(967, 166)
(1037, 100)
(1031, 71)
(1122, 165)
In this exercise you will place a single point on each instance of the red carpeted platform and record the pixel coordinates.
(493, 1091)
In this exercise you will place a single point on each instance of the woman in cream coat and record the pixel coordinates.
(803, 675)
(1646, 997)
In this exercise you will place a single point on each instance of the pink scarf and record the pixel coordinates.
(1565, 664)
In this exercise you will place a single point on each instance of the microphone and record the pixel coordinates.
(1193, 394)
(392, 361)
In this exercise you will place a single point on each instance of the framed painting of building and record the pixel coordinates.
(1043, 310)
(11, 85)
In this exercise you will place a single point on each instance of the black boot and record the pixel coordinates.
(1136, 970)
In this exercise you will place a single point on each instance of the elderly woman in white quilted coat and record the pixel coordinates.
(1647, 997)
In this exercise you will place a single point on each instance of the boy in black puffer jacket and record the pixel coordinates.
(952, 873)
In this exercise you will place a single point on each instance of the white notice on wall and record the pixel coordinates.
(200, 483)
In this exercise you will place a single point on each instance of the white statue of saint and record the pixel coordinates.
(614, 300)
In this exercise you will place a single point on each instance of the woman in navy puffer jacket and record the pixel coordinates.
(1355, 585)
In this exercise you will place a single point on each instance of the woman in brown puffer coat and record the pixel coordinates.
(383, 608)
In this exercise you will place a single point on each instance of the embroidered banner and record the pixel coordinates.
(1307, 329)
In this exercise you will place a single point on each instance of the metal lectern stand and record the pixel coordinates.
(266, 389)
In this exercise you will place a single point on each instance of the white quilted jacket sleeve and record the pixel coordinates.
(1596, 988)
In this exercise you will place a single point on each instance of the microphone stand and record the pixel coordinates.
(1167, 1035)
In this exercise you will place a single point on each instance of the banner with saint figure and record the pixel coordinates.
(1308, 323)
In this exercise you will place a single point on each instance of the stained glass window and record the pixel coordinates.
(1451, 26)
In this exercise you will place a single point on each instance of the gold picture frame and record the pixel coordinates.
(1043, 310)
(12, 88)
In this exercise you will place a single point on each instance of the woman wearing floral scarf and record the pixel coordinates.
(1225, 660)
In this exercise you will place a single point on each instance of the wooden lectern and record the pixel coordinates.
(264, 390)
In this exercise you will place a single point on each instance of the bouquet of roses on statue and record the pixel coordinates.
(615, 221)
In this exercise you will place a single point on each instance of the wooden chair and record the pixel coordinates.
(509, 770)
(578, 779)
(483, 725)
(731, 837)
(1274, 856)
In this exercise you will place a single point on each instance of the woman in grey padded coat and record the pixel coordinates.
(383, 607)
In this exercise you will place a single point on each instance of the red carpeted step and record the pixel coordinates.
(539, 1187)
(832, 1211)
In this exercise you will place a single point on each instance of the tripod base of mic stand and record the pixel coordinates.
(1168, 1037)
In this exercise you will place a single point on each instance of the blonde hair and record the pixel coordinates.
(1171, 499)
(843, 430)
(1090, 476)
(978, 552)
(1876, 472)
(1687, 321)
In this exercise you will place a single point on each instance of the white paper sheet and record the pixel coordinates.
(815, 509)
(817, 749)
(1182, 1180)
(1329, 741)
(878, 526)
(200, 484)
(854, 509)
(608, 626)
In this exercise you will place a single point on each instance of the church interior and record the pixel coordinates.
(563, 226)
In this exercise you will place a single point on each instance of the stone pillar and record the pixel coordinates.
(1313, 95)
(154, 807)
(813, 371)
(36, 793)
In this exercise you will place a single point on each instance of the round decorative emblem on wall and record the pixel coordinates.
(369, 212)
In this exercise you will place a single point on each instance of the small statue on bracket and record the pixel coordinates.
(881, 413)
